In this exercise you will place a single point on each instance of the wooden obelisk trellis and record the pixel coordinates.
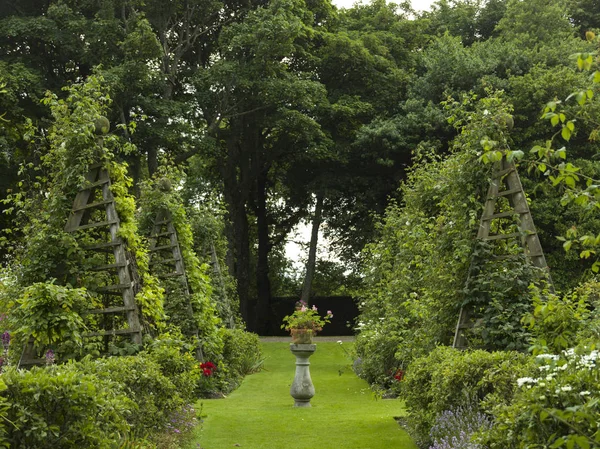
(166, 252)
(505, 183)
(93, 201)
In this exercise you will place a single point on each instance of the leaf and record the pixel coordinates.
(567, 245)
(542, 167)
(554, 119)
(582, 442)
(597, 77)
(566, 133)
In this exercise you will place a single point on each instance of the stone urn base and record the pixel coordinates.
(302, 389)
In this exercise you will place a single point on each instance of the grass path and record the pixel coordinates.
(260, 414)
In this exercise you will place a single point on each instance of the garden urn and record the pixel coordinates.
(302, 389)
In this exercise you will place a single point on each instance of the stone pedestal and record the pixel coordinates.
(302, 389)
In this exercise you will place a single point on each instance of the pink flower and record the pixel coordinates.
(303, 309)
(314, 307)
(329, 314)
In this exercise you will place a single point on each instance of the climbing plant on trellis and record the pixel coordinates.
(51, 254)
(188, 298)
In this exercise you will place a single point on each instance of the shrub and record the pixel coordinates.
(175, 358)
(241, 354)
(377, 354)
(141, 379)
(50, 313)
(448, 378)
(558, 407)
(60, 407)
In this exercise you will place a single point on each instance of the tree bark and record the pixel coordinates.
(263, 307)
(312, 250)
(236, 200)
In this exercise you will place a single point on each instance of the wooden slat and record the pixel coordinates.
(171, 275)
(109, 266)
(101, 246)
(501, 173)
(92, 205)
(509, 192)
(110, 310)
(509, 213)
(162, 234)
(112, 333)
(98, 183)
(159, 261)
(158, 248)
(28, 362)
(96, 224)
(503, 236)
(108, 288)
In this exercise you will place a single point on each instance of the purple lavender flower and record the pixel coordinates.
(5, 339)
(454, 428)
(50, 357)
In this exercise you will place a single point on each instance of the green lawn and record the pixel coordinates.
(260, 414)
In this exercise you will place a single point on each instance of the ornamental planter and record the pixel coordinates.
(302, 336)
(302, 389)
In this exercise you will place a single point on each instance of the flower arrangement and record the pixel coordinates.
(307, 318)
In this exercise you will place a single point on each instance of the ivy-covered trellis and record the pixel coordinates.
(185, 279)
(59, 276)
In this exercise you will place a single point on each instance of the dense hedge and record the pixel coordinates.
(97, 403)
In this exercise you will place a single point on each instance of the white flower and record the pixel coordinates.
(525, 380)
(339, 342)
(542, 397)
(566, 388)
(584, 393)
(547, 356)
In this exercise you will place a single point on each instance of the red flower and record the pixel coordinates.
(207, 368)
(399, 376)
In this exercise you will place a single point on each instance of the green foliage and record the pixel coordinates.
(241, 354)
(177, 362)
(449, 378)
(556, 407)
(556, 321)
(499, 293)
(140, 378)
(159, 197)
(416, 272)
(50, 314)
(63, 408)
(43, 205)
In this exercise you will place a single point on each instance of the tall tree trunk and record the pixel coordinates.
(263, 306)
(312, 250)
(236, 206)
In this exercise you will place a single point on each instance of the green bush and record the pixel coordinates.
(176, 361)
(557, 407)
(61, 407)
(448, 378)
(50, 313)
(377, 351)
(141, 379)
(241, 354)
